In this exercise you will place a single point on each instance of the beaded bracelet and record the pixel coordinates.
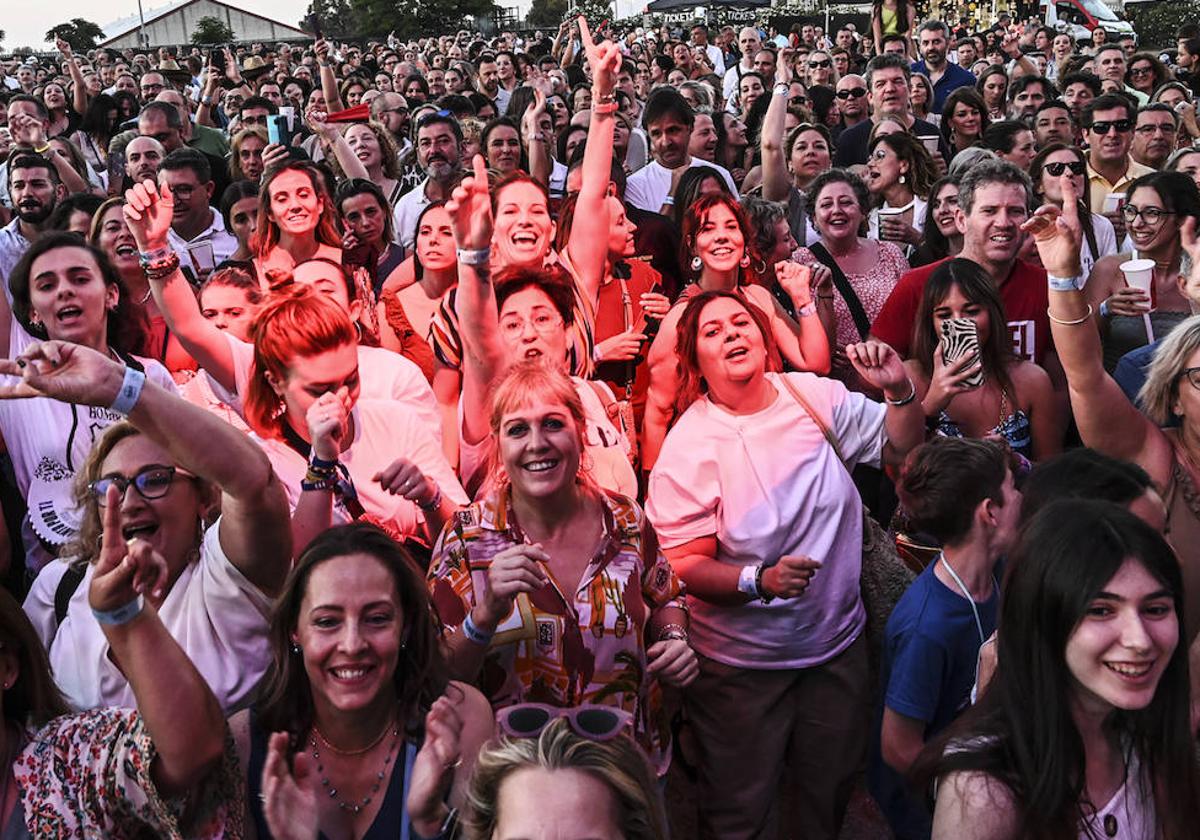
(673, 631)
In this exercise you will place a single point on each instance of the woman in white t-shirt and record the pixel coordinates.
(755, 508)
(174, 466)
(67, 291)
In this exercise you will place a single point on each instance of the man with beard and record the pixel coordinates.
(34, 189)
(1025, 95)
(934, 40)
(391, 110)
(1154, 135)
(28, 123)
(489, 83)
(439, 154)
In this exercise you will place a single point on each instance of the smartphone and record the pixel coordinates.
(960, 337)
(217, 59)
(278, 130)
(313, 24)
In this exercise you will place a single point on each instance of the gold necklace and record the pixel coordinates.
(334, 749)
(354, 807)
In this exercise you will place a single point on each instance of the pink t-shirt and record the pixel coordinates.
(766, 485)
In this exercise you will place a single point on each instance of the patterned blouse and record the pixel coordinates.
(88, 775)
(558, 646)
(872, 288)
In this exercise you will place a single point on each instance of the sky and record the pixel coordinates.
(24, 23)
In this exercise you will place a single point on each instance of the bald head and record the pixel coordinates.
(142, 157)
(749, 42)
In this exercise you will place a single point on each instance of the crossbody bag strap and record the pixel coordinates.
(857, 312)
(812, 413)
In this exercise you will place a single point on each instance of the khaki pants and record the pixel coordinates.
(756, 729)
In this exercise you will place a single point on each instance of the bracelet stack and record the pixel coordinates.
(159, 263)
(604, 104)
(434, 503)
(673, 631)
(321, 475)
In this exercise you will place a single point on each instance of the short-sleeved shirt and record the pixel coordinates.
(765, 485)
(649, 186)
(1023, 294)
(1099, 187)
(216, 615)
(566, 644)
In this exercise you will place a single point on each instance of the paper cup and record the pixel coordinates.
(890, 213)
(930, 142)
(1114, 202)
(1139, 274)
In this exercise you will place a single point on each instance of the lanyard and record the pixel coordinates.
(967, 593)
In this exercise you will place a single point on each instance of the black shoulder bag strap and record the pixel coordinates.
(67, 585)
(861, 321)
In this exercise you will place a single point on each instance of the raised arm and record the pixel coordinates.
(333, 98)
(79, 97)
(470, 210)
(802, 342)
(1107, 420)
(254, 512)
(334, 141)
(148, 213)
(537, 144)
(775, 180)
(588, 246)
(180, 711)
(30, 131)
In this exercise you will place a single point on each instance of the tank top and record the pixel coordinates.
(391, 823)
(1129, 815)
(889, 20)
(1014, 427)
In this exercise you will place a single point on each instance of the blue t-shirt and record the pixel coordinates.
(930, 651)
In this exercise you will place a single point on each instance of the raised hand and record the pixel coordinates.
(289, 797)
(274, 153)
(63, 371)
(783, 67)
(148, 212)
(790, 576)
(433, 769)
(123, 571)
(27, 131)
(327, 418)
(796, 280)
(948, 380)
(532, 118)
(470, 209)
(604, 59)
(880, 366)
(1058, 233)
(515, 570)
(63, 47)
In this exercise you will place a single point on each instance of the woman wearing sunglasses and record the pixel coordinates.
(170, 470)
(64, 290)
(357, 731)
(1170, 396)
(558, 778)
(819, 70)
(1154, 213)
(1046, 172)
(757, 511)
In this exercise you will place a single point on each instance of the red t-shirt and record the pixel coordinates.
(1023, 293)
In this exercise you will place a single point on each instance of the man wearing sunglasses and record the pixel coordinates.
(1108, 122)
(852, 99)
(934, 40)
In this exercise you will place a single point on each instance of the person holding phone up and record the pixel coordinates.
(970, 382)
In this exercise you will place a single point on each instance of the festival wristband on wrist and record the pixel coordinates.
(131, 389)
(121, 615)
(1105, 312)
(748, 581)
(673, 631)
(1064, 284)
(468, 256)
(474, 634)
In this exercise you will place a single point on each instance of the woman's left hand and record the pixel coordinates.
(654, 305)
(796, 280)
(274, 153)
(433, 769)
(404, 478)
(880, 366)
(898, 230)
(124, 570)
(289, 797)
(531, 118)
(673, 661)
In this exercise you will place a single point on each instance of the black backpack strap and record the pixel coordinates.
(67, 585)
(857, 312)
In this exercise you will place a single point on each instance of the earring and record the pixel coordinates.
(280, 410)
(296, 649)
(697, 263)
(745, 263)
(902, 178)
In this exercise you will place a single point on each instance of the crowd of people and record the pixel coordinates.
(459, 437)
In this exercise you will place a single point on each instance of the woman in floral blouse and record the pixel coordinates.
(553, 590)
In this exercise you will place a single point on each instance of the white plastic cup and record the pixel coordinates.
(1139, 274)
(931, 142)
(890, 213)
(1114, 202)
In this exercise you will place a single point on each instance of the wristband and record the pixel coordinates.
(912, 395)
(468, 256)
(669, 201)
(474, 634)
(131, 389)
(206, 100)
(42, 150)
(1064, 284)
(809, 308)
(121, 615)
(748, 581)
(781, 89)
(605, 108)
(759, 571)
(435, 502)
(1105, 312)
(321, 464)
(673, 631)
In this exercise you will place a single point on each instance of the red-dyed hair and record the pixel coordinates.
(294, 322)
(694, 217)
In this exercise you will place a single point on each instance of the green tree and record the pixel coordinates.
(336, 18)
(212, 30)
(546, 13)
(79, 33)
(1156, 22)
(416, 18)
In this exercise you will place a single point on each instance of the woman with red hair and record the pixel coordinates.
(340, 458)
(718, 246)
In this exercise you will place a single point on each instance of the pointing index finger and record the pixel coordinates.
(585, 34)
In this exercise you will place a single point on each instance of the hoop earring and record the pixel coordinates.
(697, 263)
(762, 269)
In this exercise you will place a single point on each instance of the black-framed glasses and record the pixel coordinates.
(1105, 126)
(151, 483)
(1056, 169)
(852, 93)
(1192, 375)
(1151, 215)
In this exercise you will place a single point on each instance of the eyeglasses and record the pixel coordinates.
(1147, 130)
(852, 93)
(1077, 167)
(1141, 71)
(1151, 215)
(813, 65)
(150, 483)
(1103, 127)
(401, 111)
(183, 191)
(543, 324)
(596, 723)
(1192, 375)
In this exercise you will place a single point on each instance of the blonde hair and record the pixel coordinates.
(618, 764)
(1158, 393)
